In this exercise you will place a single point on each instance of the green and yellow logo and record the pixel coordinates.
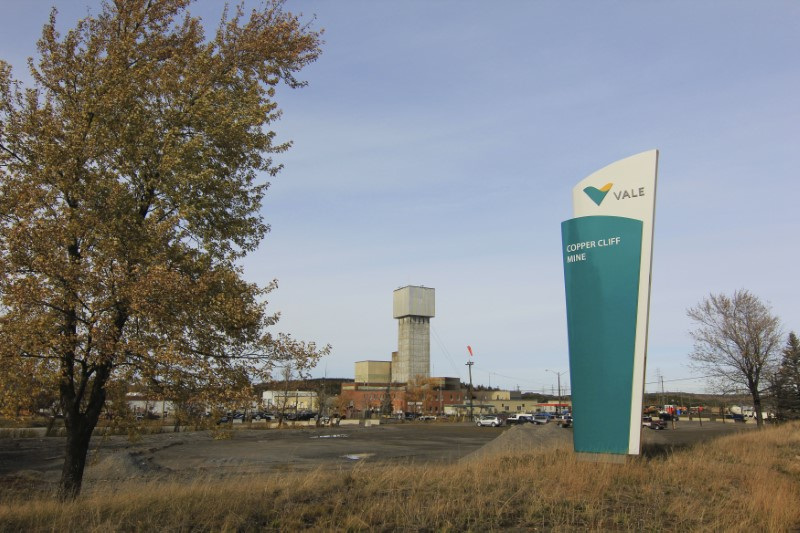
(598, 195)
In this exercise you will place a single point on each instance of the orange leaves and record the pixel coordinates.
(130, 185)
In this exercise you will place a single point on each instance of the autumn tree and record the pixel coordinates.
(294, 362)
(424, 393)
(387, 407)
(736, 340)
(131, 181)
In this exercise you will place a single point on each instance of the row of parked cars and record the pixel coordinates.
(523, 418)
(264, 415)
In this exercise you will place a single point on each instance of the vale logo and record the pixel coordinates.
(598, 195)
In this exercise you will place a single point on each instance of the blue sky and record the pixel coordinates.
(438, 142)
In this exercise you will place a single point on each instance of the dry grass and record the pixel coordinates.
(744, 482)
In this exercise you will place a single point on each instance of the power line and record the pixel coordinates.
(539, 385)
(513, 378)
(678, 379)
(444, 349)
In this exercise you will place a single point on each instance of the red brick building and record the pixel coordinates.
(429, 396)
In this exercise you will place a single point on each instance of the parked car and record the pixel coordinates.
(541, 418)
(490, 420)
(736, 417)
(299, 416)
(427, 417)
(653, 423)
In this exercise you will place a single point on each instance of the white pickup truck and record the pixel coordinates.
(520, 418)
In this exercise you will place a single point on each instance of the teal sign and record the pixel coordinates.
(602, 257)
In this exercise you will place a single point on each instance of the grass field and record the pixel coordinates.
(744, 482)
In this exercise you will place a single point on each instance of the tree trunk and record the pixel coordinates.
(51, 424)
(757, 408)
(80, 425)
(79, 433)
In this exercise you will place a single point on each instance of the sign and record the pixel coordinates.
(607, 255)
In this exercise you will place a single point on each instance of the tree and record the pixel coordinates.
(387, 407)
(735, 340)
(424, 393)
(130, 187)
(295, 361)
(786, 381)
(325, 394)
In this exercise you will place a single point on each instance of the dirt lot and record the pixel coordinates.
(185, 455)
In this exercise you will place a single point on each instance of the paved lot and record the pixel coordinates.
(249, 450)
(309, 448)
(687, 432)
(254, 451)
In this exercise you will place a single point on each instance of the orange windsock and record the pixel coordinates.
(469, 348)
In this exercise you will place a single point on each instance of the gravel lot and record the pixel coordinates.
(250, 451)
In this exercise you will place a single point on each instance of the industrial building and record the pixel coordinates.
(404, 384)
(413, 308)
(373, 371)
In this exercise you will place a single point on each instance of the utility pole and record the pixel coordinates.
(559, 383)
(469, 365)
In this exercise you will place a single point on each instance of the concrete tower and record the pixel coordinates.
(413, 309)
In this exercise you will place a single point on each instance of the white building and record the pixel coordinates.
(293, 400)
(141, 405)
